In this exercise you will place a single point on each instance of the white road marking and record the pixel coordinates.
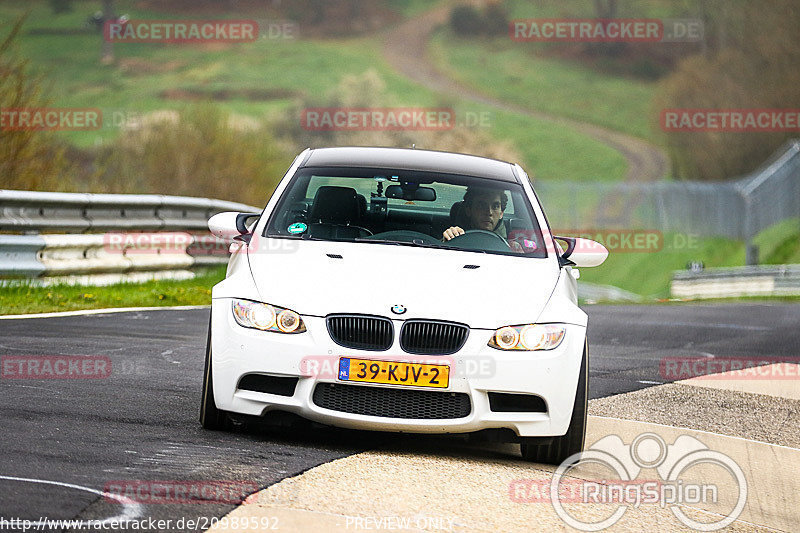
(130, 511)
(704, 325)
(103, 311)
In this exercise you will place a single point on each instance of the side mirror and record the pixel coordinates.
(231, 225)
(582, 252)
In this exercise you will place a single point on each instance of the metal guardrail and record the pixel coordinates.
(766, 280)
(135, 244)
(30, 211)
(19, 255)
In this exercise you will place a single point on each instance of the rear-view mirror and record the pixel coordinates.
(411, 193)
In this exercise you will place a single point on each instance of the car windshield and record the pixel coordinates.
(408, 208)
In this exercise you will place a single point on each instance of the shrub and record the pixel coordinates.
(753, 67)
(369, 90)
(466, 21)
(469, 21)
(495, 18)
(60, 6)
(29, 160)
(201, 151)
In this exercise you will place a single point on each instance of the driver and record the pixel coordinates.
(484, 210)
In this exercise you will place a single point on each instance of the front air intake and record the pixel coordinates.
(391, 402)
(362, 332)
(432, 337)
(280, 385)
(501, 402)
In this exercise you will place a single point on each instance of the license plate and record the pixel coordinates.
(394, 373)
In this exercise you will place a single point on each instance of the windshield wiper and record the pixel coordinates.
(418, 243)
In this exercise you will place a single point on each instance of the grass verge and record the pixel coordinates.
(650, 274)
(27, 298)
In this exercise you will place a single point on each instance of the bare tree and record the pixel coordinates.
(605, 9)
(107, 54)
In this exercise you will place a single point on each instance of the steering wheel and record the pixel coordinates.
(486, 231)
(480, 241)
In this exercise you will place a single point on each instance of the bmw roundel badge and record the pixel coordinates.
(398, 309)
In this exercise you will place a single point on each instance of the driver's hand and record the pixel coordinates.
(452, 233)
(516, 247)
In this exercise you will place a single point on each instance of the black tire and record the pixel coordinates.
(210, 416)
(560, 448)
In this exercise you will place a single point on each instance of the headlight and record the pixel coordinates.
(266, 317)
(528, 338)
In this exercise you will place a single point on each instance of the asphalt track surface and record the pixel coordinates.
(140, 423)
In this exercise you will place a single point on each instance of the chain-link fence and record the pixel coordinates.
(737, 209)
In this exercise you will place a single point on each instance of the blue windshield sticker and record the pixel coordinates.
(297, 228)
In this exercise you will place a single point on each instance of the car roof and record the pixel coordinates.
(411, 159)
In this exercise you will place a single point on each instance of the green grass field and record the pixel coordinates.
(515, 73)
(151, 77)
(535, 76)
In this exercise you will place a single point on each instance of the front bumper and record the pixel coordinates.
(476, 370)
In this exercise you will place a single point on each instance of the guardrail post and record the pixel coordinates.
(751, 250)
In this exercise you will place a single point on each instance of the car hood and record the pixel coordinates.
(318, 278)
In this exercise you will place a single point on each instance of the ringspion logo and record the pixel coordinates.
(679, 483)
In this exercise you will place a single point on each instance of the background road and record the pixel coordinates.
(405, 48)
(141, 422)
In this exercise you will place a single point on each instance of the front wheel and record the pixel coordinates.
(210, 416)
(560, 448)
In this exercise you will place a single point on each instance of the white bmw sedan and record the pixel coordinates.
(403, 290)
